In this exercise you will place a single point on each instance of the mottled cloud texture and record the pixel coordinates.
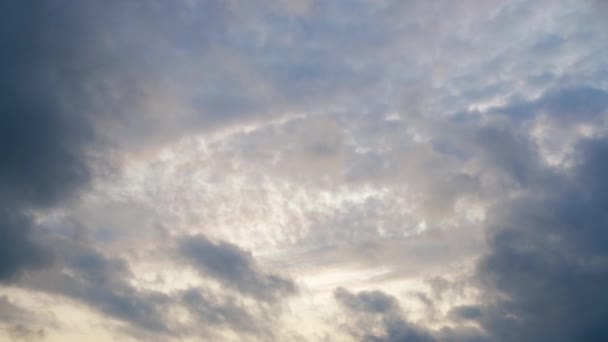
(304, 170)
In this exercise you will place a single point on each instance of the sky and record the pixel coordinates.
(304, 170)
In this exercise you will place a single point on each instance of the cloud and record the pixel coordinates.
(546, 259)
(22, 333)
(108, 285)
(43, 136)
(18, 323)
(371, 302)
(546, 268)
(103, 283)
(69, 77)
(234, 268)
(9, 312)
(373, 316)
(226, 311)
(18, 249)
(371, 136)
(466, 312)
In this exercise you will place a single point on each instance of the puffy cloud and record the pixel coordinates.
(376, 316)
(148, 151)
(546, 258)
(83, 273)
(547, 262)
(213, 311)
(234, 268)
(107, 284)
(372, 302)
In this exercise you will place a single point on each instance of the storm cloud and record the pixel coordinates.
(44, 135)
(548, 258)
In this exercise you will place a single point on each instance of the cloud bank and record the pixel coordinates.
(300, 170)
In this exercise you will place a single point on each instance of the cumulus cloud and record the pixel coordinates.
(225, 170)
(376, 316)
(546, 265)
(103, 283)
(69, 82)
(234, 268)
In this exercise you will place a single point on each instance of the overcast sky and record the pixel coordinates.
(304, 170)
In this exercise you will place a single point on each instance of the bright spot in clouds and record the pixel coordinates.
(304, 170)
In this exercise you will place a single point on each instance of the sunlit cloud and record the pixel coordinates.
(303, 170)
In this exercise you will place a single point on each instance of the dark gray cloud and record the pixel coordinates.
(217, 311)
(366, 301)
(502, 146)
(213, 313)
(547, 268)
(547, 260)
(44, 134)
(373, 316)
(80, 75)
(545, 271)
(71, 70)
(234, 268)
(566, 105)
(466, 312)
(18, 249)
(376, 316)
(103, 283)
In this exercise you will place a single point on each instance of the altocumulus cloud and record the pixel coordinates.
(545, 271)
(53, 102)
(304, 170)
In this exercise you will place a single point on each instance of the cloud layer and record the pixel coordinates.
(301, 170)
